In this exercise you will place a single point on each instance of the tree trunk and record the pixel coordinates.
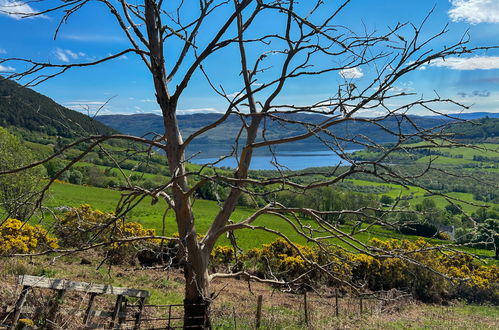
(197, 298)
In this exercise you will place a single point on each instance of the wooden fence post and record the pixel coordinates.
(234, 316)
(138, 317)
(259, 311)
(90, 307)
(19, 305)
(122, 314)
(116, 311)
(337, 306)
(54, 307)
(305, 306)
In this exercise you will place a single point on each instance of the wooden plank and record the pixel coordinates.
(57, 284)
(122, 314)
(138, 316)
(90, 307)
(19, 305)
(31, 310)
(101, 314)
(54, 308)
(116, 312)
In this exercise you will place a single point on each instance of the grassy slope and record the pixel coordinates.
(151, 217)
(237, 300)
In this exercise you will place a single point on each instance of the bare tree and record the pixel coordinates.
(172, 40)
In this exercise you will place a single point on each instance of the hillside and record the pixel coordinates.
(221, 137)
(24, 108)
(479, 129)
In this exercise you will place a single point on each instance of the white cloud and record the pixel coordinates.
(4, 68)
(92, 37)
(468, 63)
(475, 11)
(122, 57)
(352, 73)
(18, 9)
(404, 87)
(197, 110)
(148, 100)
(85, 103)
(234, 95)
(3, 51)
(90, 107)
(66, 55)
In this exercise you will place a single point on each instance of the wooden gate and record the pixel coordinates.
(117, 316)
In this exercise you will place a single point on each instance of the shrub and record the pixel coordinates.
(416, 267)
(84, 226)
(222, 254)
(19, 237)
(443, 236)
(419, 229)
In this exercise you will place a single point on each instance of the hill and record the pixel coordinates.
(484, 129)
(24, 108)
(221, 137)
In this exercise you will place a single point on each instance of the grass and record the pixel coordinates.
(235, 303)
(205, 211)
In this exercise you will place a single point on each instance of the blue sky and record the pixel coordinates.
(126, 85)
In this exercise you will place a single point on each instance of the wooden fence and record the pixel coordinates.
(117, 316)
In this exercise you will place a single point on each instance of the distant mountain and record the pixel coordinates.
(483, 129)
(475, 115)
(221, 137)
(24, 108)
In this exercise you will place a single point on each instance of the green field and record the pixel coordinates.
(151, 217)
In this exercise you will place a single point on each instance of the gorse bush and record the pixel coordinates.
(83, 226)
(415, 267)
(19, 237)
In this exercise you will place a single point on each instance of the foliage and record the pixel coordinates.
(83, 226)
(23, 107)
(18, 191)
(416, 267)
(19, 237)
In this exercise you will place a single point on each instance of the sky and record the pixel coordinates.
(123, 85)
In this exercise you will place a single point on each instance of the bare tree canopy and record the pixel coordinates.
(275, 44)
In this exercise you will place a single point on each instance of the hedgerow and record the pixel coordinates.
(415, 267)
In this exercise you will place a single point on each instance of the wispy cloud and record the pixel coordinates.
(4, 68)
(3, 51)
(197, 110)
(352, 73)
(468, 63)
(404, 87)
(85, 103)
(483, 93)
(66, 55)
(148, 100)
(18, 9)
(475, 11)
(234, 95)
(92, 37)
(89, 107)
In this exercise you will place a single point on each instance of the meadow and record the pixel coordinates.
(152, 215)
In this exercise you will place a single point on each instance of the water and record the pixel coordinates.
(291, 160)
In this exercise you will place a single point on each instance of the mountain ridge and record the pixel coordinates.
(25, 108)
